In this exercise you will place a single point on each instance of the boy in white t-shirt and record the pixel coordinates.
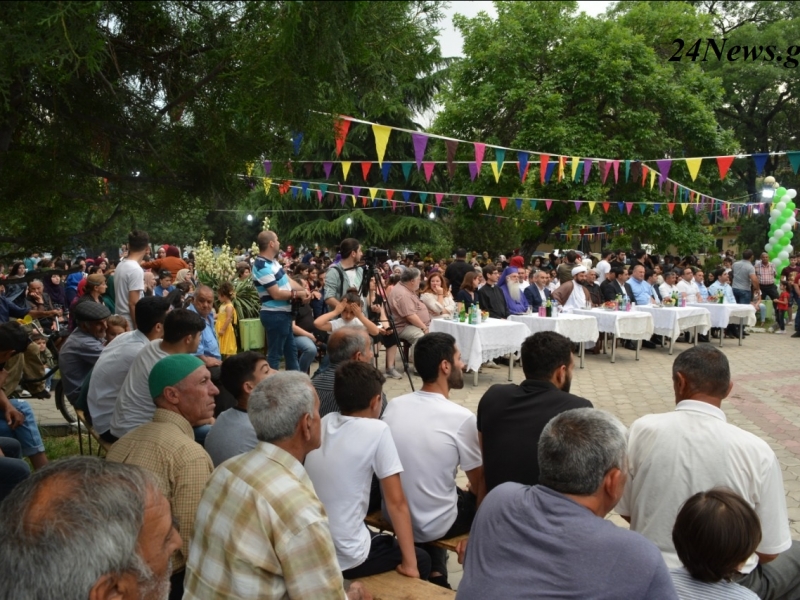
(355, 445)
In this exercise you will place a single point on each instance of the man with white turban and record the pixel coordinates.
(572, 294)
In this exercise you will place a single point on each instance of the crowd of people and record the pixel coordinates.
(236, 475)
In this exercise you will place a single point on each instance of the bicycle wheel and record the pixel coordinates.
(63, 405)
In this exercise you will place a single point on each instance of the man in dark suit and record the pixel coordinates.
(511, 417)
(456, 271)
(537, 293)
(612, 287)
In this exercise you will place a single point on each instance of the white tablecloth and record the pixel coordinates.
(721, 314)
(670, 321)
(623, 324)
(577, 328)
(481, 343)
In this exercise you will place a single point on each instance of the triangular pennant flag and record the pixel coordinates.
(642, 207)
(606, 206)
(353, 199)
(663, 166)
(423, 196)
(420, 141)
(487, 200)
(341, 128)
(499, 157)
(522, 163)
(438, 199)
(684, 206)
(652, 178)
(671, 207)
(406, 166)
(656, 208)
(578, 206)
(297, 137)
(428, 168)
(696, 208)
(267, 182)
(562, 161)
(533, 204)
(308, 167)
(621, 206)
(605, 168)
(629, 206)
(724, 210)
(479, 151)
(473, 171)
(693, 164)
(496, 172)
(385, 168)
(451, 146)
(548, 204)
(470, 200)
(394, 205)
(345, 168)
(760, 159)
(549, 172)
(389, 194)
(364, 201)
(327, 166)
(406, 195)
(587, 166)
(591, 207)
(575, 162)
(304, 186)
(615, 164)
(794, 160)
(503, 202)
(544, 159)
(381, 139)
(342, 197)
(356, 190)
(267, 164)
(365, 167)
(372, 192)
(518, 202)
(319, 195)
(323, 188)
(627, 170)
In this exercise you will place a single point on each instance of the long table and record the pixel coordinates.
(626, 325)
(721, 315)
(670, 321)
(579, 329)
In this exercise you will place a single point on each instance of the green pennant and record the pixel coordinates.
(627, 170)
(406, 166)
(794, 160)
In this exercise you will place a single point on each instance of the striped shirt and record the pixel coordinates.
(689, 588)
(766, 273)
(267, 273)
(261, 532)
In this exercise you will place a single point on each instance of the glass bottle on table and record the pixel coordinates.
(548, 308)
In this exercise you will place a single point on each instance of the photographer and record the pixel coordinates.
(345, 274)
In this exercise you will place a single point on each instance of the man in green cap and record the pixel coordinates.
(181, 387)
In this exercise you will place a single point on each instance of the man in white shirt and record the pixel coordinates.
(435, 436)
(111, 368)
(673, 456)
(129, 276)
(603, 267)
(668, 287)
(687, 286)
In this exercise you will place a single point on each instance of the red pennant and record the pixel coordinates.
(724, 163)
(503, 202)
(605, 167)
(606, 205)
(284, 187)
(525, 174)
(545, 158)
(341, 128)
(430, 208)
(365, 167)
(428, 168)
(645, 170)
(670, 207)
(363, 200)
(691, 196)
(389, 194)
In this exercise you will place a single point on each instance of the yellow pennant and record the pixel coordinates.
(381, 139)
(652, 178)
(487, 200)
(684, 206)
(591, 207)
(346, 168)
(372, 192)
(575, 161)
(694, 166)
(496, 171)
(249, 167)
(561, 161)
(354, 200)
(267, 182)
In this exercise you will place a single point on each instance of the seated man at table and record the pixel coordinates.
(669, 287)
(612, 286)
(722, 285)
(515, 298)
(687, 287)
(642, 291)
(434, 436)
(700, 281)
(593, 287)
(490, 296)
(552, 540)
(573, 295)
(411, 316)
(537, 294)
(511, 417)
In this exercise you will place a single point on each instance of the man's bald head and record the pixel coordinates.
(349, 343)
(264, 239)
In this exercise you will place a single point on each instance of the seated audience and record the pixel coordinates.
(203, 305)
(590, 283)
(164, 287)
(435, 436)
(356, 446)
(261, 531)
(83, 346)
(572, 294)
(411, 316)
(511, 417)
(714, 534)
(552, 540)
(437, 297)
(676, 455)
(612, 286)
(468, 294)
(13, 470)
(537, 294)
(669, 287)
(348, 313)
(232, 434)
(491, 297)
(116, 359)
(181, 389)
(110, 519)
(116, 326)
(515, 299)
(687, 286)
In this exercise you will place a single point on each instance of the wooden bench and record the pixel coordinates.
(377, 521)
(101, 443)
(393, 586)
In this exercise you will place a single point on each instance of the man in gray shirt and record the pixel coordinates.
(84, 345)
(232, 433)
(744, 280)
(552, 539)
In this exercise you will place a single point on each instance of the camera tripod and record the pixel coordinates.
(370, 272)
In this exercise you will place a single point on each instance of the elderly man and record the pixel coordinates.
(490, 296)
(642, 291)
(411, 316)
(83, 347)
(700, 282)
(123, 555)
(765, 271)
(435, 436)
(39, 301)
(515, 298)
(553, 537)
(537, 293)
(203, 305)
(590, 283)
(692, 449)
(183, 393)
(261, 530)
(573, 294)
(511, 417)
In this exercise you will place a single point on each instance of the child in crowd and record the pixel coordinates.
(715, 534)
(164, 286)
(355, 445)
(348, 313)
(45, 356)
(226, 320)
(781, 305)
(117, 325)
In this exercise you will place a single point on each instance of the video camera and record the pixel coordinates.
(374, 256)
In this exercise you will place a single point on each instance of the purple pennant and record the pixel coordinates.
(342, 197)
(473, 171)
(587, 166)
(470, 199)
(267, 164)
(420, 143)
(663, 166)
(356, 190)
(327, 166)
(578, 206)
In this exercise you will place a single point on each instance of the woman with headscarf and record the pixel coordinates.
(54, 288)
(508, 283)
(172, 262)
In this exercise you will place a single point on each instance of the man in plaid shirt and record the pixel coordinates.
(766, 278)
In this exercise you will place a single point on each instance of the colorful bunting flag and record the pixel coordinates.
(693, 164)
(420, 141)
(605, 168)
(652, 178)
(406, 166)
(629, 206)
(423, 196)
(616, 171)
(548, 203)
(439, 199)
(794, 160)
(451, 146)
(760, 159)
(671, 207)
(327, 167)
(533, 204)
(480, 149)
(591, 205)
(578, 206)
(381, 139)
(496, 172)
(372, 192)
(385, 168)
(606, 206)
(473, 171)
(267, 164)
(522, 164)
(587, 166)
(575, 163)
(544, 159)
(345, 168)
(487, 200)
(550, 168)
(341, 128)
(365, 167)
(503, 202)
(518, 202)
(356, 190)
(684, 206)
(562, 161)
(499, 158)
(297, 137)
(428, 168)
(642, 207)
(470, 200)
(627, 170)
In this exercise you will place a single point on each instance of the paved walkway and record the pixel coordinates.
(765, 398)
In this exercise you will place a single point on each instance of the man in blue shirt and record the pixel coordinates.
(276, 292)
(642, 291)
(699, 279)
(208, 350)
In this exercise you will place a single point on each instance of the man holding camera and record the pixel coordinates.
(345, 274)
